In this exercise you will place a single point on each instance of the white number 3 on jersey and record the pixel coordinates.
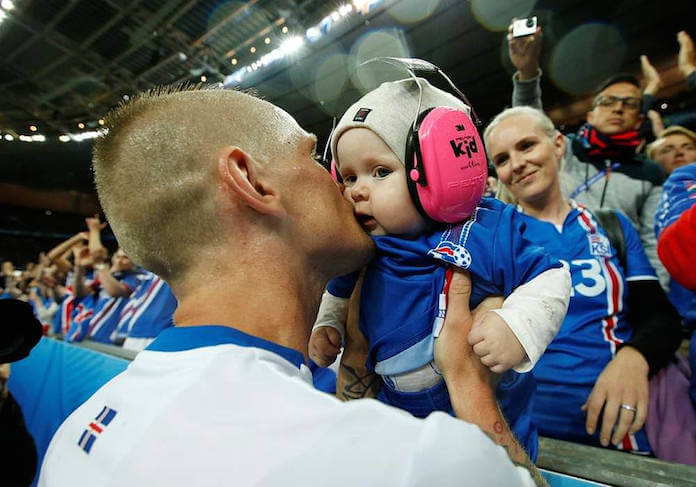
(593, 281)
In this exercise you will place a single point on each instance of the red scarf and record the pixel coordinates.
(615, 146)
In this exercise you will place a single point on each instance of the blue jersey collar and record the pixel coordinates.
(179, 338)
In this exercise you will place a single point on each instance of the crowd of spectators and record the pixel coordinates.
(78, 292)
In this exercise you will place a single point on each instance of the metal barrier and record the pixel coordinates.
(611, 467)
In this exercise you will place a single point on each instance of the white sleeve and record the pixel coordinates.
(333, 312)
(535, 310)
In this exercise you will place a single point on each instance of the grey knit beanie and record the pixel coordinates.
(389, 111)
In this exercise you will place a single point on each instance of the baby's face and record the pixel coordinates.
(375, 182)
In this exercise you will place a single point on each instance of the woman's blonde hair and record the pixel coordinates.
(543, 122)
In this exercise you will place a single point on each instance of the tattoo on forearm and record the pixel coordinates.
(354, 385)
(503, 437)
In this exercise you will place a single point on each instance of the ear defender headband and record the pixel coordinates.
(446, 165)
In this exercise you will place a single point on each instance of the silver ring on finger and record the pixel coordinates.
(629, 408)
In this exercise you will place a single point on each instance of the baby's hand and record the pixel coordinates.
(324, 345)
(495, 343)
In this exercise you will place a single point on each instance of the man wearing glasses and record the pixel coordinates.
(601, 168)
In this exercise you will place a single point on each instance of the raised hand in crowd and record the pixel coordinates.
(82, 260)
(653, 80)
(687, 54)
(524, 52)
(81, 256)
(60, 252)
(656, 122)
(95, 226)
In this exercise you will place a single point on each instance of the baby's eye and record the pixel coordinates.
(382, 172)
(349, 179)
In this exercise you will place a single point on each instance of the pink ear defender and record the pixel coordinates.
(446, 166)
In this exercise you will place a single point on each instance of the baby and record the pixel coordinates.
(402, 302)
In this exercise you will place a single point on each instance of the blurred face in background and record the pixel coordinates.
(674, 150)
(120, 261)
(617, 109)
(7, 268)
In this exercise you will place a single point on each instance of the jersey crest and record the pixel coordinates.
(451, 248)
(452, 253)
(599, 245)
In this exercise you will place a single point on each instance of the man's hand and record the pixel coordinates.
(99, 255)
(44, 260)
(652, 77)
(656, 121)
(624, 381)
(687, 55)
(524, 52)
(94, 224)
(454, 357)
(495, 343)
(324, 345)
(81, 256)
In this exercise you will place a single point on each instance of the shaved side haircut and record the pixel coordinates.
(155, 168)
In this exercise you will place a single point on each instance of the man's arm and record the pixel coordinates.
(94, 226)
(111, 285)
(353, 380)
(468, 381)
(524, 54)
(58, 254)
(80, 287)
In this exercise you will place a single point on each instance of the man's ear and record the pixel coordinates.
(243, 176)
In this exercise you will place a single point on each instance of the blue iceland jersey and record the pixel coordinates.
(403, 283)
(149, 310)
(107, 310)
(400, 302)
(678, 195)
(77, 312)
(594, 326)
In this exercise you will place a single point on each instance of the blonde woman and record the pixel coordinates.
(619, 328)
